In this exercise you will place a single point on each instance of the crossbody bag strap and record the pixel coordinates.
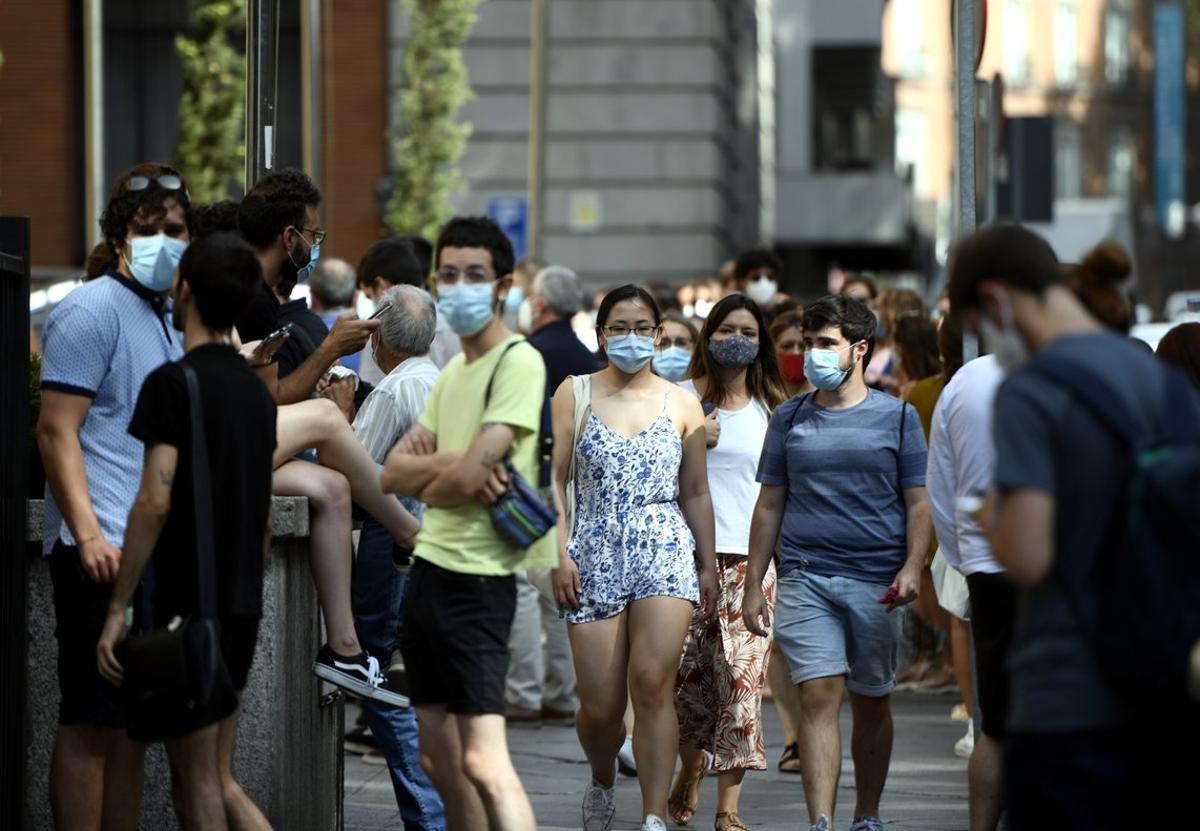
(206, 586)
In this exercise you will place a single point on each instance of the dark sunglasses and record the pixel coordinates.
(166, 181)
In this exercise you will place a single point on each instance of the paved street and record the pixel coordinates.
(927, 788)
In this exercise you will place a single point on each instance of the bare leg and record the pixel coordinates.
(329, 528)
(784, 692)
(441, 756)
(240, 810)
(657, 628)
(77, 775)
(123, 773)
(820, 743)
(489, 768)
(729, 790)
(601, 652)
(983, 782)
(194, 758)
(320, 424)
(960, 652)
(871, 747)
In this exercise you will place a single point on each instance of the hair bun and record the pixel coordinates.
(1107, 263)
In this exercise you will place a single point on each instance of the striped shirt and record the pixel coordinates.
(845, 471)
(101, 342)
(393, 407)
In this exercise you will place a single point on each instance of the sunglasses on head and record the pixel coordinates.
(166, 181)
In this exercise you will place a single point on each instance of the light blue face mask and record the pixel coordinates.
(152, 260)
(314, 254)
(672, 363)
(630, 352)
(824, 367)
(468, 307)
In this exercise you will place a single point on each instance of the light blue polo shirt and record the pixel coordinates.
(101, 342)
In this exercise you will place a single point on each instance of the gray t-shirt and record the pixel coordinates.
(1046, 441)
(846, 471)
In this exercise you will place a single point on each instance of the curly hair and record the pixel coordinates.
(125, 204)
(277, 201)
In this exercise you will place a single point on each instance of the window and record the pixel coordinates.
(1116, 42)
(1120, 162)
(1068, 167)
(1066, 42)
(910, 37)
(912, 142)
(1016, 43)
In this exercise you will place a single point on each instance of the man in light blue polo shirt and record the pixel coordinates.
(843, 477)
(100, 344)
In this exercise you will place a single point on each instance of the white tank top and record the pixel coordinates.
(732, 470)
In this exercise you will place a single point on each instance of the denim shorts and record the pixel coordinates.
(828, 626)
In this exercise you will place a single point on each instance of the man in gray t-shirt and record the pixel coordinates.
(843, 477)
(1072, 759)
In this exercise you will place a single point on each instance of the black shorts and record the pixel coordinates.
(80, 609)
(239, 637)
(993, 607)
(455, 638)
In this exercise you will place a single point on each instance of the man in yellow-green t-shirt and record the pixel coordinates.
(462, 593)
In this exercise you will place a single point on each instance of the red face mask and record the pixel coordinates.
(791, 365)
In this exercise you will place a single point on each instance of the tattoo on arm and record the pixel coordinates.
(489, 459)
(166, 477)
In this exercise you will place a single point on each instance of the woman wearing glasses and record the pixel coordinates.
(638, 557)
(734, 372)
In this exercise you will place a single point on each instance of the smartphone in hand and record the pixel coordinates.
(282, 333)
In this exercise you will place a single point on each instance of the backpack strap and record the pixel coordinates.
(206, 585)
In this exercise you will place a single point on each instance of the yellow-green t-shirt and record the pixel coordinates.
(461, 538)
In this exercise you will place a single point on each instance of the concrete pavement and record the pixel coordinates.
(927, 786)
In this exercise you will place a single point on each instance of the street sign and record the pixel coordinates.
(511, 213)
(583, 213)
(1169, 116)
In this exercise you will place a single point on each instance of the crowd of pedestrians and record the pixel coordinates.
(634, 519)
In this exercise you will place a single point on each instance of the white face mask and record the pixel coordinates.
(762, 291)
(525, 316)
(1004, 340)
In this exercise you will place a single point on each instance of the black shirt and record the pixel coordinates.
(307, 335)
(564, 353)
(260, 317)
(239, 425)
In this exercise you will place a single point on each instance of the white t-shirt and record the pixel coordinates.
(732, 468)
(962, 463)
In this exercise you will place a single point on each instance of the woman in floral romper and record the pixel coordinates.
(719, 688)
(639, 557)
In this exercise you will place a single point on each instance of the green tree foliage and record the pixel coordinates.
(212, 148)
(429, 142)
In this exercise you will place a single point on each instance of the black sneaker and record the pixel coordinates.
(358, 674)
(359, 740)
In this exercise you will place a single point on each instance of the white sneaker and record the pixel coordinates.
(599, 807)
(653, 823)
(626, 764)
(966, 745)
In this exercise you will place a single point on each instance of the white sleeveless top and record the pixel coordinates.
(732, 468)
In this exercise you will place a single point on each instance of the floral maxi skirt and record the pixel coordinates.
(718, 691)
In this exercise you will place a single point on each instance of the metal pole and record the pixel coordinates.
(312, 86)
(537, 125)
(262, 59)
(15, 455)
(964, 71)
(766, 119)
(93, 119)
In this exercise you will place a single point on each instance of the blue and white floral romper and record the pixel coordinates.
(631, 541)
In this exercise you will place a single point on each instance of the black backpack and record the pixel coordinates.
(1149, 567)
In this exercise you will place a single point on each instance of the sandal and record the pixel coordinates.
(789, 762)
(685, 795)
(730, 822)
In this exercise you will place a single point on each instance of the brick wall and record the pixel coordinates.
(355, 121)
(37, 124)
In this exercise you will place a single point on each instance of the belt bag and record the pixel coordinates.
(522, 515)
(176, 680)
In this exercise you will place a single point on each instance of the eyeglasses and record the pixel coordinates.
(621, 331)
(681, 342)
(166, 181)
(318, 234)
(448, 275)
